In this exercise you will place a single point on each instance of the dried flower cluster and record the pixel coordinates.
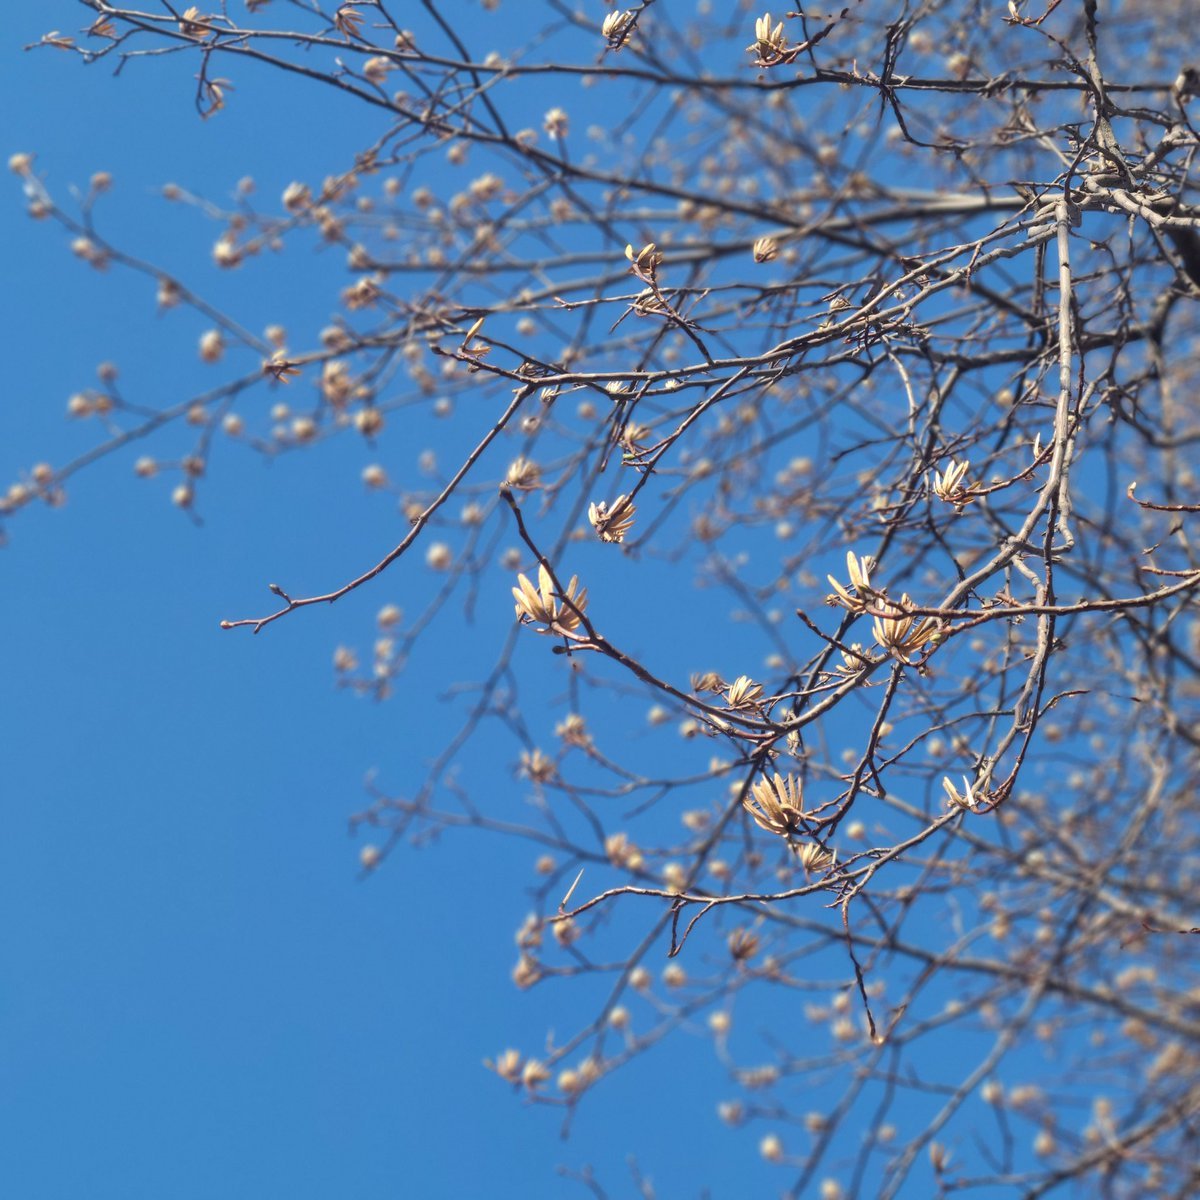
(543, 605)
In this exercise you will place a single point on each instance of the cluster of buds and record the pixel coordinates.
(645, 262)
(708, 681)
(648, 303)
(556, 123)
(777, 805)
(612, 524)
(194, 24)
(623, 853)
(903, 635)
(537, 765)
(895, 629)
(969, 798)
(948, 485)
(573, 731)
(854, 659)
(512, 1069)
(814, 859)
(770, 46)
(765, 249)
(348, 21)
(543, 606)
(523, 474)
(617, 27)
(744, 692)
(859, 571)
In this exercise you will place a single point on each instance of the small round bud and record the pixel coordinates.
(771, 1148)
(226, 253)
(369, 857)
(368, 421)
(212, 346)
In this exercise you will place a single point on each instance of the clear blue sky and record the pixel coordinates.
(201, 997)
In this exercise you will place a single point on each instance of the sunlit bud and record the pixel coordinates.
(368, 857)
(368, 421)
(439, 556)
(527, 972)
(731, 1112)
(533, 1074)
(212, 346)
(674, 975)
(183, 496)
(87, 250)
(959, 65)
(389, 615)
(765, 249)
(296, 196)
(20, 164)
(771, 1148)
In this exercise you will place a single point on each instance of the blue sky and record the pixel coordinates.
(202, 997)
